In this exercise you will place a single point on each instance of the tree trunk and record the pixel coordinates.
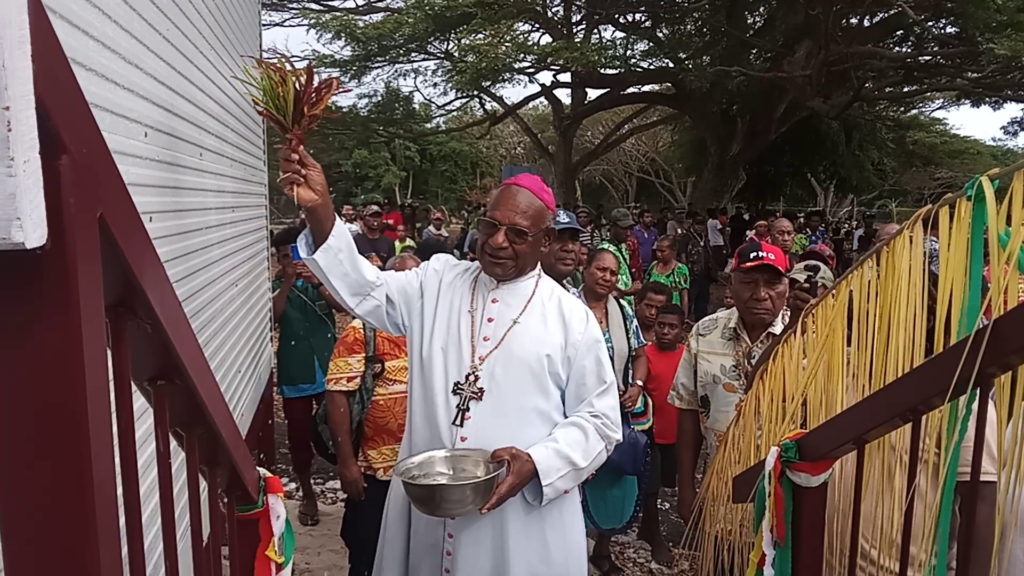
(719, 183)
(565, 175)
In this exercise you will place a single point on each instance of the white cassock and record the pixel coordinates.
(549, 389)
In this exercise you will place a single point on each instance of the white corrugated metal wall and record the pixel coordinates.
(159, 76)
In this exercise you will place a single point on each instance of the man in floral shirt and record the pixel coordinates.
(723, 348)
(365, 463)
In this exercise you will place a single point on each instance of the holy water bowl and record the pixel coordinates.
(449, 483)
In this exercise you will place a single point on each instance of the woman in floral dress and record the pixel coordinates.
(669, 271)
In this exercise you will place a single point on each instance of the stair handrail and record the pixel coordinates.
(173, 353)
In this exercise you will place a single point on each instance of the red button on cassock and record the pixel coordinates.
(487, 338)
(490, 319)
(494, 300)
(450, 535)
(447, 571)
(447, 552)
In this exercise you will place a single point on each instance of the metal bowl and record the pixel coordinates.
(449, 483)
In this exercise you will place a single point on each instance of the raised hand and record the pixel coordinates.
(289, 274)
(303, 271)
(799, 299)
(302, 177)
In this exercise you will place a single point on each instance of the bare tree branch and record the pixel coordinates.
(611, 141)
(512, 113)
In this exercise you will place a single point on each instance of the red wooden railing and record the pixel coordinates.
(99, 282)
(995, 349)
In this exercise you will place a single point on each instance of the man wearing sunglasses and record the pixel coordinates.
(503, 359)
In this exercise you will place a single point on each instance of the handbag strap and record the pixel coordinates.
(626, 380)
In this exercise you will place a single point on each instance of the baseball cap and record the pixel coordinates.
(583, 209)
(621, 217)
(372, 209)
(819, 253)
(753, 254)
(804, 271)
(565, 220)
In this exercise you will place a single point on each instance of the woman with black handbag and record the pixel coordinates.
(613, 497)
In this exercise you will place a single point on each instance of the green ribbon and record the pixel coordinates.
(260, 502)
(955, 426)
(783, 564)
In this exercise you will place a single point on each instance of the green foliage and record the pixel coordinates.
(365, 157)
(870, 156)
(771, 96)
(468, 44)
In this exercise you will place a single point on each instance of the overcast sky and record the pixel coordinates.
(981, 123)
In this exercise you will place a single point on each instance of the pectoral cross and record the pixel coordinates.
(468, 389)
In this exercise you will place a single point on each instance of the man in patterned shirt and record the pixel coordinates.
(723, 348)
(591, 234)
(365, 470)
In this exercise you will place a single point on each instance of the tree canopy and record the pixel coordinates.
(859, 158)
(739, 76)
(366, 158)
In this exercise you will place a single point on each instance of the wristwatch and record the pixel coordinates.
(639, 383)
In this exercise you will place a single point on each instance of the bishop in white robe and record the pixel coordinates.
(549, 390)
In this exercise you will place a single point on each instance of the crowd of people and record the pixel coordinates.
(520, 304)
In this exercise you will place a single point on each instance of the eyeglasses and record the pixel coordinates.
(516, 235)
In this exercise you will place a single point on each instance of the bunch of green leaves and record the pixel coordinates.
(291, 99)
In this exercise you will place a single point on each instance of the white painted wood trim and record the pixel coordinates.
(22, 207)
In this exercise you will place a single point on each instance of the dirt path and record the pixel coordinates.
(318, 550)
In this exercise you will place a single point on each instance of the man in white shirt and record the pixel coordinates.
(551, 409)
(716, 240)
(867, 224)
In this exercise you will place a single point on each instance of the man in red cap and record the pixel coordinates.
(723, 348)
(436, 228)
(820, 253)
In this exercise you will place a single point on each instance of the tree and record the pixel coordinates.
(866, 157)
(745, 72)
(365, 156)
(649, 160)
(475, 52)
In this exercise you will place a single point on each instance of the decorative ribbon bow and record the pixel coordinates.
(773, 505)
(277, 541)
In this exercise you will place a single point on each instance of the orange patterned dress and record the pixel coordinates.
(384, 422)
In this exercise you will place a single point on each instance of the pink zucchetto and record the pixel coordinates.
(536, 185)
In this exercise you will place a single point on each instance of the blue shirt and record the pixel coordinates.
(303, 390)
(647, 239)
